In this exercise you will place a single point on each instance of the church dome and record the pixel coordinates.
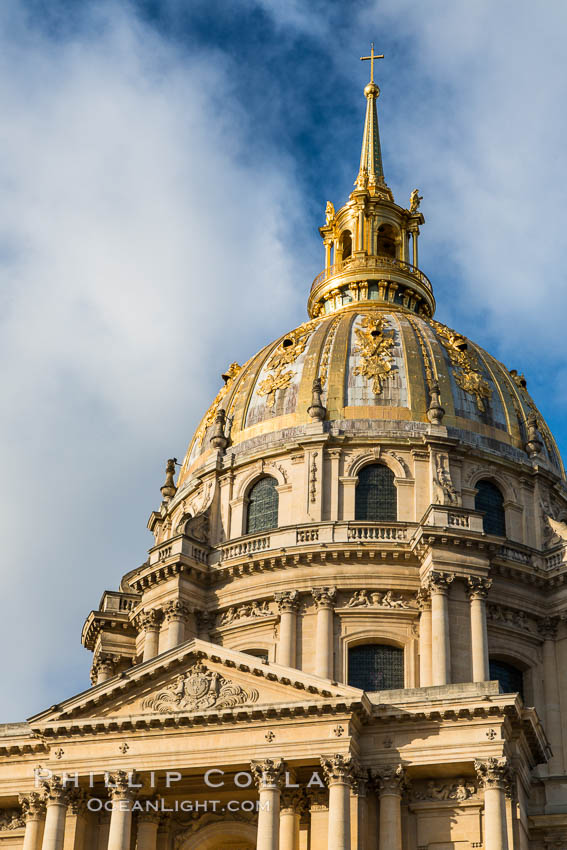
(379, 365)
(383, 367)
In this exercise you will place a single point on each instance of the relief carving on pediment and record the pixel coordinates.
(197, 689)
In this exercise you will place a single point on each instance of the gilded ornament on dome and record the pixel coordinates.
(374, 347)
(465, 364)
(233, 370)
(279, 377)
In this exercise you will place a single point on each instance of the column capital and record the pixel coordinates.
(292, 800)
(149, 619)
(78, 799)
(32, 804)
(120, 785)
(494, 773)
(547, 627)
(477, 587)
(56, 791)
(391, 779)
(317, 799)
(423, 599)
(148, 815)
(339, 769)
(105, 663)
(287, 600)
(438, 582)
(175, 610)
(324, 597)
(267, 773)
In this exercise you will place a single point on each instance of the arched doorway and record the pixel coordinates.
(222, 835)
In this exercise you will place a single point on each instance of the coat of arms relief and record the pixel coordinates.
(197, 689)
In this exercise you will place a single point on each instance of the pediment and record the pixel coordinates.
(196, 678)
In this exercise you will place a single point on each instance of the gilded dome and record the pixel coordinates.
(377, 364)
(386, 367)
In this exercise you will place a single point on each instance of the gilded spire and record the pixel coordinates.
(371, 172)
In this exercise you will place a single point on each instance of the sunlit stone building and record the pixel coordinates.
(350, 633)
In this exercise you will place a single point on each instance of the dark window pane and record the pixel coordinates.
(376, 667)
(262, 506)
(490, 501)
(511, 679)
(376, 497)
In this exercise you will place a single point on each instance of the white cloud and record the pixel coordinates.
(141, 252)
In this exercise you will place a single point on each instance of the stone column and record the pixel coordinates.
(360, 790)
(175, 614)
(148, 822)
(268, 776)
(318, 818)
(440, 646)
(164, 827)
(122, 794)
(76, 823)
(291, 804)
(324, 599)
(391, 783)
(424, 603)
(494, 776)
(339, 771)
(33, 809)
(477, 589)
(56, 800)
(149, 622)
(548, 630)
(415, 258)
(287, 602)
(104, 667)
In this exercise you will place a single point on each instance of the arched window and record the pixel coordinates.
(376, 496)
(346, 244)
(260, 654)
(376, 667)
(262, 506)
(386, 241)
(510, 678)
(490, 501)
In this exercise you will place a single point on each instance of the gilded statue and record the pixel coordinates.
(415, 200)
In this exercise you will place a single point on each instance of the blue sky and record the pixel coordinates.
(164, 168)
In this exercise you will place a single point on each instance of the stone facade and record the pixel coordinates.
(224, 711)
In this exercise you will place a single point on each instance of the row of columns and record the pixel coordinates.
(360, 243)
(174, 616)
(47, 821)
(279, 812)
(163, 629)
(280, 807)
(434, 633)
(288, 603)
(434, 629)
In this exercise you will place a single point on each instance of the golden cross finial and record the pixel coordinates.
(372, 57)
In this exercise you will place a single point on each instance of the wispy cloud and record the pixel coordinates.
(142, 250)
